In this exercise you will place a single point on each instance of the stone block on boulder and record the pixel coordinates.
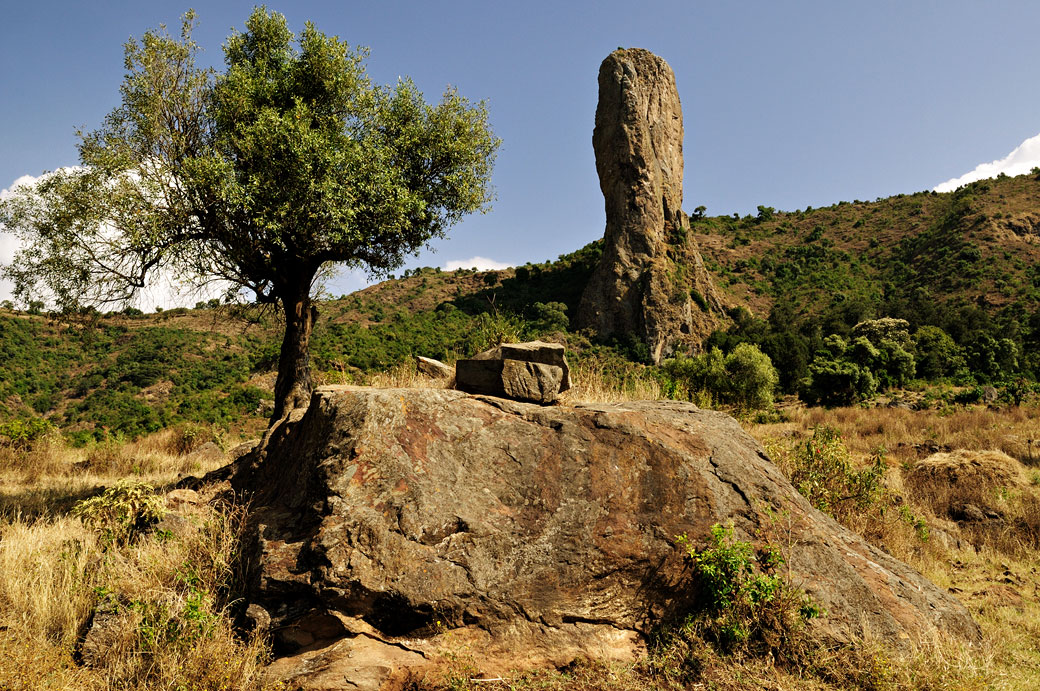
(534, 371)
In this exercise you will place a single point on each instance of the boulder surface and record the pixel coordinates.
(388, 524)
(651, 280)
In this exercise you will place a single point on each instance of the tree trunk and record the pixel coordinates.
(293, 387)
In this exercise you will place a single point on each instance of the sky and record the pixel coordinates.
(786, 103)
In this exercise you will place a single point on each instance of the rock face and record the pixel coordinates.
(535, 371)
(390, 524)
(651, 280)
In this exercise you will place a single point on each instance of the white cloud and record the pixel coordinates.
(1022, 160)
(9, 244)
(481, 263)
(161, 291)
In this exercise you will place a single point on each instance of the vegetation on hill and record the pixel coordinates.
(822, 293)
(961, 268)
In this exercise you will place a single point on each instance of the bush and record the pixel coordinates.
(743, 598)
(122, 511)
(751, 378)
(822, 471)
(745, 378)
(22, 432)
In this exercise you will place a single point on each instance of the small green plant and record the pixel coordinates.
(823, 473)
(122, 511)
(21, 433)
(744, 597)
(914, 521)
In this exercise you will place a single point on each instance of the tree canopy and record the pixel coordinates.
(262, 176)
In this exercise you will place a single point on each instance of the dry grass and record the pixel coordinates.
(908, 435)
(168, 591)
(594, 381)
(54, 570)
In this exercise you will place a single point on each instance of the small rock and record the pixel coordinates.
(433, 368)
(179, 497)
(967, 512)
(208, 452)
(242, 449)
(173, 524)
(258, 619)
(103, 633)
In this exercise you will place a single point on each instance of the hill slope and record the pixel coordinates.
(967, 262)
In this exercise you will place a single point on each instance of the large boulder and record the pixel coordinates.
(387, 524)
(534, 371)
(651, 280)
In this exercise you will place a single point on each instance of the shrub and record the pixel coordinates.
(751, 378)
(822, 472)
(745, 378)
(22, 432)
(743, 598)
(122, 511)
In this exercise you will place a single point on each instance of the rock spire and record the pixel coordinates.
(651, 281)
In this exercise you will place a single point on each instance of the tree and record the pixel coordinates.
(263, 177)
(745, 378)
(751, 377)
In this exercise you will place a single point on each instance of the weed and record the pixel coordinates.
(746, 601)
(122, 511)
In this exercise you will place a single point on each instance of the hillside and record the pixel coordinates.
(908, 256)
(966, 262)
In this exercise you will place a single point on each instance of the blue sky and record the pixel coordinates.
(786, 104)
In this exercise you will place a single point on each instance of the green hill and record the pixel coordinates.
(962, 268)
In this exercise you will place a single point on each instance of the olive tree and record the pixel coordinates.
(262, 176)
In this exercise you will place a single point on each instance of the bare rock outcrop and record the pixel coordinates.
(651, 281)
(389, 524)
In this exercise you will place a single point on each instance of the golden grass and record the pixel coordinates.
(54, 570)
(908, 435)
(593, 382)
(171, 629)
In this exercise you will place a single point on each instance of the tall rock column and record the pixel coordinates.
(651, 281)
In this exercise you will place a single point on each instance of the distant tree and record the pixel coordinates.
(938, 355)
(891, 350)
(751, 378)
(835, 377)
(263, 176)
(549, 316)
